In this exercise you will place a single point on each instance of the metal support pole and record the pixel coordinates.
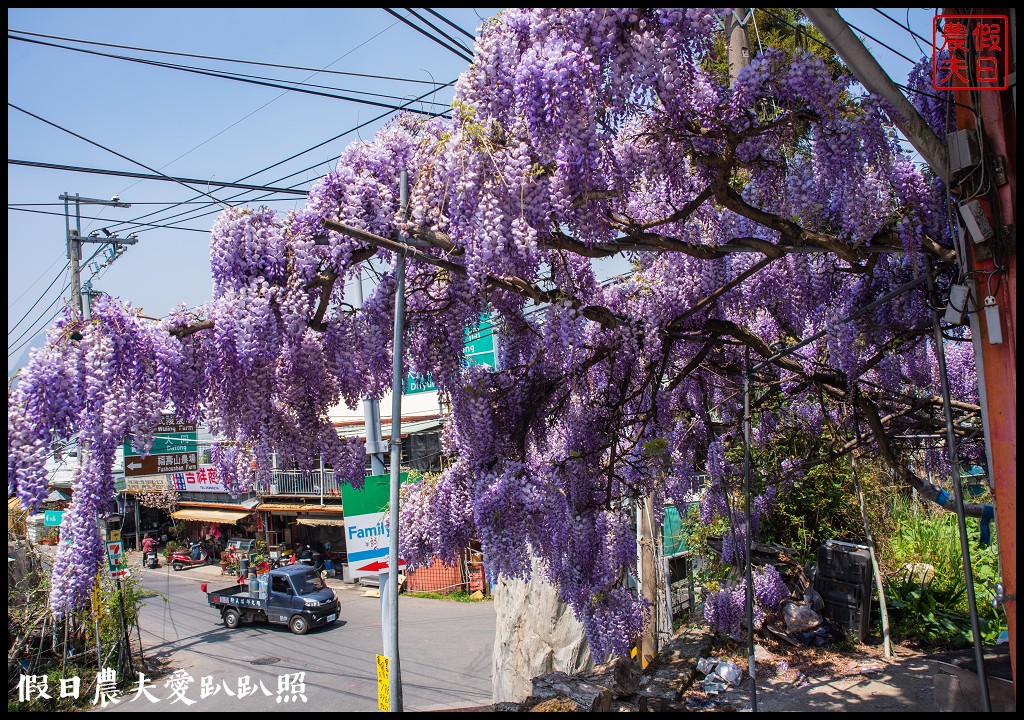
(954, 464)
(138, 537)
(882, 607)
(395, 671)
(371, 409)
(746, 492)
(871, 75)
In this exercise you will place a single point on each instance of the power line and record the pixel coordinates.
(887, 47)
(14, 205)
(230, 60)
(270, 102)
(35, 324)
(34, 327)
(144, 176)
(420, 30)
(905, 27)
(41, 295)
(443, 19)
(217, 74)
(299, 154)
(32, 284)
(103, 147)
(456, 43)
(92, 217)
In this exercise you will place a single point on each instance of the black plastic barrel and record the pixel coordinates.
(844, 581)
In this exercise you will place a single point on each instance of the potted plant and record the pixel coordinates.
(260, 562)
(169, 548)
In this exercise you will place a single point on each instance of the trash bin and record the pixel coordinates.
(243, 565)
(844, 580)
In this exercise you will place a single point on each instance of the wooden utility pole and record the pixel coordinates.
(647, 645)
(737, 41)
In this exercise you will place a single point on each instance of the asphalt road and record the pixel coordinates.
(445, 649)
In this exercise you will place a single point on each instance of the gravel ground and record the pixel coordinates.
(837, 677)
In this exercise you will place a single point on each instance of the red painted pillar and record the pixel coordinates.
(994, 269)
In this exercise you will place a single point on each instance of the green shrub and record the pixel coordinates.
(934, 610)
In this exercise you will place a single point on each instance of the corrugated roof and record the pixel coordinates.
(285, 507)
(210, 515)
(321, 521)
(408, 428)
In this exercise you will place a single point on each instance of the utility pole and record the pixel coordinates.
(737, 41)
(75, 241)
(391, 626)
(375, 446)
(647, 645)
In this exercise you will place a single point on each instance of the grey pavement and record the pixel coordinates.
(445, 652)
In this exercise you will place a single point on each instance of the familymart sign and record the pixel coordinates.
(367, 534)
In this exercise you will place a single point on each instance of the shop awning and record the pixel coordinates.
(210, 515)
(337, 522)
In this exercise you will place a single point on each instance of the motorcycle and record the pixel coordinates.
(311, 557)
(182, 559)
(150, 560)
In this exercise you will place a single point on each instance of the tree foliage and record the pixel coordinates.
(757, 217)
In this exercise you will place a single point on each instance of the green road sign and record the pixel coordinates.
(165, 444)
(478, 350)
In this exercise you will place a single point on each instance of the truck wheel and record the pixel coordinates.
(298, 625)
(177, 566)
(232, 618)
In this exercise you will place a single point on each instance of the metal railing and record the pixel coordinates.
(317, 483)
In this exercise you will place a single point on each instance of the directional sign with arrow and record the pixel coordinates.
(135, 465)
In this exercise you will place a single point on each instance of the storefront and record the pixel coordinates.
(287, 524)
(215, 523)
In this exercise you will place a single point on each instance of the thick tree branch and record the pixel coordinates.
(903, 473)
(513, 284)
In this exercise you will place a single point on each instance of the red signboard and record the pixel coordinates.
(969, 52)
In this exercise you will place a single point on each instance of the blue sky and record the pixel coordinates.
(189, 125)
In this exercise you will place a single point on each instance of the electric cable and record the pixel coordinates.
(35, 327)
(41, 296)
(887, 47)
(420, 30)
(32, 284)
(35, 324)
(273, 100)
(16, 205)
(92, 217)
(443, 19)
(455, 43)
(218, 74)
(292, 157)
(905, 27)
(161, 176)
(103, 147)
(232, 60)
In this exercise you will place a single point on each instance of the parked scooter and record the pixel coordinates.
(181, 559)
(308, 556)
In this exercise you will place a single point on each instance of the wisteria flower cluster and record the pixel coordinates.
(756, 217)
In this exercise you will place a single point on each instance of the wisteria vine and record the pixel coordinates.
(754, 216)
